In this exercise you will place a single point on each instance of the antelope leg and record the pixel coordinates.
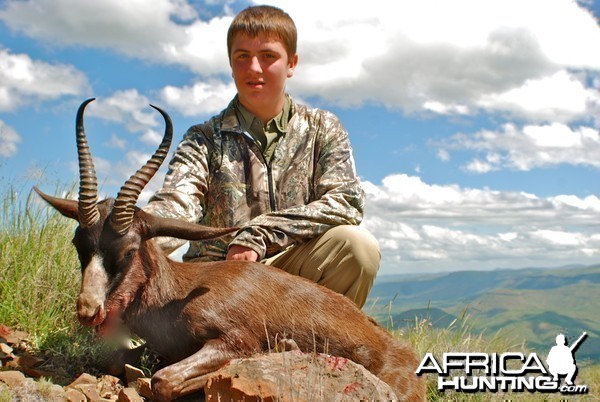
(183, 378)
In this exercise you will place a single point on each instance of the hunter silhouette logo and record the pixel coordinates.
(561, 358)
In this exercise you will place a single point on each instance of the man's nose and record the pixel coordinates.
(255, 65)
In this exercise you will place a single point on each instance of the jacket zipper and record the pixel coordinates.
(271, 189)
(272, 201)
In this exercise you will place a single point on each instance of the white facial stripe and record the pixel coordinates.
(94, 283)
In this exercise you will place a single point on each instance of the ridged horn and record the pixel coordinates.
(88, 183)
(123, 210)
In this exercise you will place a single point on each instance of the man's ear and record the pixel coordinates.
(292, 65)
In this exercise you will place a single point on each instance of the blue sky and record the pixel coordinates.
(475, 125)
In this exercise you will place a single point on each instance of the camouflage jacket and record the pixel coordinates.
(219, 177)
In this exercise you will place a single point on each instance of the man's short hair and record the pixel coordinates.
(270, 21)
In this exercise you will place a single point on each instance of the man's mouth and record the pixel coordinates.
(256, 83)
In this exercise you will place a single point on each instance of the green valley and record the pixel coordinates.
(528, 305)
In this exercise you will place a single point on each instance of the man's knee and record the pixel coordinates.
(359, 245)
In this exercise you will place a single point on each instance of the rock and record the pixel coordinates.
(11, 336)
(52, 392)
(5, 350)
(109, 386)
(132, 374)
(28, 361)
(36, 373)
(90, 391)
(21, 388)
(4, 330)
(84, 378)
(143, 387)
(105, 388)
(295, 376)
(129, 395)
(74, 395)
(6, 354)
(12, 378)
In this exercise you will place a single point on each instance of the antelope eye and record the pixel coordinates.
(129, 254)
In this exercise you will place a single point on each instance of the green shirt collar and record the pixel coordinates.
(250, 123)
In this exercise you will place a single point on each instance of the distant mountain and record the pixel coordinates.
(532, 304)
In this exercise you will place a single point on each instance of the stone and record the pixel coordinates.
(36, 373)
(295, 376)
(108, 386)
(12, 378)
(51, 392)
(90, 391)
(129, 394)
(144, 387)
(74, 395)
(132, 374)
(13, 337)
(5, 350)
(84, 378)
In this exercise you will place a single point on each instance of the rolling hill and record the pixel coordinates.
(531, 305)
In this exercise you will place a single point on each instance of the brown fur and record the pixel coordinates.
(198, 316)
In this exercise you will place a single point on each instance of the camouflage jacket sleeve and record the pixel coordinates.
(184, 187)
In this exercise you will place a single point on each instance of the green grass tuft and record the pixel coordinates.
(39, 280)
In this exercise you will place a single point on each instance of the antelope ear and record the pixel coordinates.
(68, 208)
(158, 226)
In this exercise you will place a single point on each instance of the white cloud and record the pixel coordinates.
(116, 142)
(167, 31)
(151, 137)
(462, 57)
(559, 97)
(560, 238)
(9, 139)
(526, 148)
(128, 107)
(466, 56)
(423, 227)
(200, 98)
(23, 80)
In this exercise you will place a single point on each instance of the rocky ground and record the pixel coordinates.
(29, 376)
(287, 376)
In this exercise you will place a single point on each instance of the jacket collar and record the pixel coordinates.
(230, 122)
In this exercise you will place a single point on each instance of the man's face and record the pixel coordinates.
(260, 69)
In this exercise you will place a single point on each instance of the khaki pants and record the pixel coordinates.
(344, 259)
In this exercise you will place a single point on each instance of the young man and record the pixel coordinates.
(282, 172)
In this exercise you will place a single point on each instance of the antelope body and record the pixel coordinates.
(198, 316)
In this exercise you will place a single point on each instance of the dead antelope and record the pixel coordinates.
(198, 316)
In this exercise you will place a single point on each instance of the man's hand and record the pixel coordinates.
(241, 253)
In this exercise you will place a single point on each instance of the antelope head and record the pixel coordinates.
(111, 236)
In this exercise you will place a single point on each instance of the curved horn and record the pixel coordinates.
(123, 210)
(88, 183)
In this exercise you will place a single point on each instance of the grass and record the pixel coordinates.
(39, 279)
(38, 275)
